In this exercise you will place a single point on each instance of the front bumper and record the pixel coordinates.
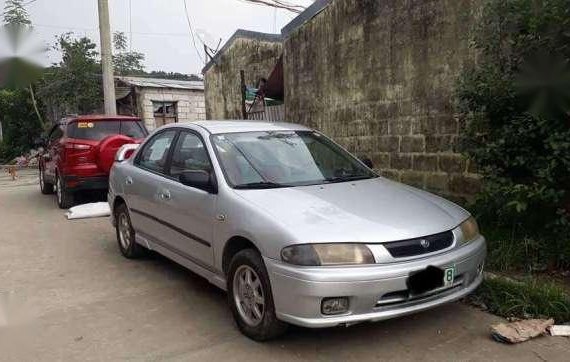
(373, 291)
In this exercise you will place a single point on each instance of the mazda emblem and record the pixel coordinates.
(424, 243)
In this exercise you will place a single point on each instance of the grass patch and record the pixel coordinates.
(529, 298)
(515, 252)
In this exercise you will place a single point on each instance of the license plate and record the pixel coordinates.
(448, 276)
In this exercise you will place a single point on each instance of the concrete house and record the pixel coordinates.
(160, 101)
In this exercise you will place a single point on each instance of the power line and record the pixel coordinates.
(192, 31)
(96, 30)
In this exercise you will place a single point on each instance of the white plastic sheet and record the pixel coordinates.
(96, 209)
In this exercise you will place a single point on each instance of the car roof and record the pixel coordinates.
(99, 117)
(236, 126)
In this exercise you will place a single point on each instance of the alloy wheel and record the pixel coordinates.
(124, 231)
(248, 295)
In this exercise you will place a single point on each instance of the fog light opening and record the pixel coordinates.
(480, 268)
(335, 305)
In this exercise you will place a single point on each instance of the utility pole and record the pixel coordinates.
(107, 58)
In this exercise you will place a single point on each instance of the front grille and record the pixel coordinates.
(419, 246)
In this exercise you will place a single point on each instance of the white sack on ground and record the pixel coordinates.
(97, 209)
(563, 331)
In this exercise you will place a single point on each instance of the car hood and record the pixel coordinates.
(374, 210)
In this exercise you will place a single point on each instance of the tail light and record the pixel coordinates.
(78, 153)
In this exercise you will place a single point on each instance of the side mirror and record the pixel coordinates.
(367, 161)
(198, 179)
(125, 152)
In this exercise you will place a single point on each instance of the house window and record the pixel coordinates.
(164, 113)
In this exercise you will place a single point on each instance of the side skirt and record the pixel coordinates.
(204, 271)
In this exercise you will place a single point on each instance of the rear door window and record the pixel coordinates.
(154, 155)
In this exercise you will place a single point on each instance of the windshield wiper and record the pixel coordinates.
(261, 185)
(347, 178)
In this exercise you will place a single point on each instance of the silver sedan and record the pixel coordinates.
(295, 228)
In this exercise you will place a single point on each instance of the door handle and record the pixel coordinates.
(165, 195)
(129, 180)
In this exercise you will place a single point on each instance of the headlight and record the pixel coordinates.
(327, 254)
(470, 229)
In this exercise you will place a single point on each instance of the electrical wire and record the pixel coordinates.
(96, 30)
(192, 31)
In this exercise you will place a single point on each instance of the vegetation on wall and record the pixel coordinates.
(517, 102)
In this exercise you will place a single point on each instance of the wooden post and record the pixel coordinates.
(243, 94)
(107, 58)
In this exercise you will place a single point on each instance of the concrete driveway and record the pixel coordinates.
(75, 298)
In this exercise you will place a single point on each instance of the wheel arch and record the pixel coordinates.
(119, 200)
(233, 246)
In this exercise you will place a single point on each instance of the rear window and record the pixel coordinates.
(97, 130)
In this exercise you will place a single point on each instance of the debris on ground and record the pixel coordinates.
(562, 331)
(96, 209)
(520, 331)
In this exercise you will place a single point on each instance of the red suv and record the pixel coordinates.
(79, 153)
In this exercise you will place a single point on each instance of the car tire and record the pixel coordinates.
(252, 302)
(126, 234)
(64, 197)
(45, 187)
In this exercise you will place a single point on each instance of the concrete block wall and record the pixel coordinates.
(378, 77)
(257, 57)
(191, 104)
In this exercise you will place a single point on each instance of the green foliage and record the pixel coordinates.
(507, 251)
(74, 86)
(126, 62)
(530, 298)
(517, 103)
(173, 75)
(19, 123)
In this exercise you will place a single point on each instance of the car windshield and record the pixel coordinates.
(97, 130)
(284, 159)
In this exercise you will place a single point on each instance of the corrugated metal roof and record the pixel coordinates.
(162, 83)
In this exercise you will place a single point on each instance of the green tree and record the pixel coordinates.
(74, 86)
(126, 62)
(173, 75)
(20, 73)
(15, 13)
(517, 103)
(20, 126)
(20, 114)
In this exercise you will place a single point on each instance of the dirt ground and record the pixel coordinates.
(71, 296)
